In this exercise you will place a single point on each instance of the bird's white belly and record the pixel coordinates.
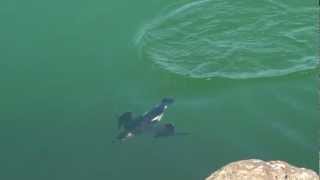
(157, 118)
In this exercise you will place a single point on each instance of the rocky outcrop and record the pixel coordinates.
(254, 169)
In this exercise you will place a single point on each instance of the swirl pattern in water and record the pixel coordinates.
(232, 39)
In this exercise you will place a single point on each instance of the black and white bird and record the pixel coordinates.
(148, 122)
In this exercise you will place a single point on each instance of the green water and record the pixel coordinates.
(68, 69)
(238, 40)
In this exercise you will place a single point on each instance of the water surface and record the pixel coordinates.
(69, 69)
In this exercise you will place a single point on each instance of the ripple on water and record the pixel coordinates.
(232, 39)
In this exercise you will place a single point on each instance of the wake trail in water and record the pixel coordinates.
(215, 38)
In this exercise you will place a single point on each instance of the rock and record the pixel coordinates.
(255, 169)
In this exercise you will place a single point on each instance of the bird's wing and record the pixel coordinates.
(124, 119)
(163, 130)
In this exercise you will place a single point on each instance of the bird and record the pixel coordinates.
(130, 126)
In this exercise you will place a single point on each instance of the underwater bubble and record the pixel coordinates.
(232, 39)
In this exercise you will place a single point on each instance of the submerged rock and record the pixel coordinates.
(255, 169)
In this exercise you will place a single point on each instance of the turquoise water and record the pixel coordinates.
(70, 68)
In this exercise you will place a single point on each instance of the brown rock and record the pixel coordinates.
(255, 169)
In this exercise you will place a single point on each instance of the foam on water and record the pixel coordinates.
(226, 38)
